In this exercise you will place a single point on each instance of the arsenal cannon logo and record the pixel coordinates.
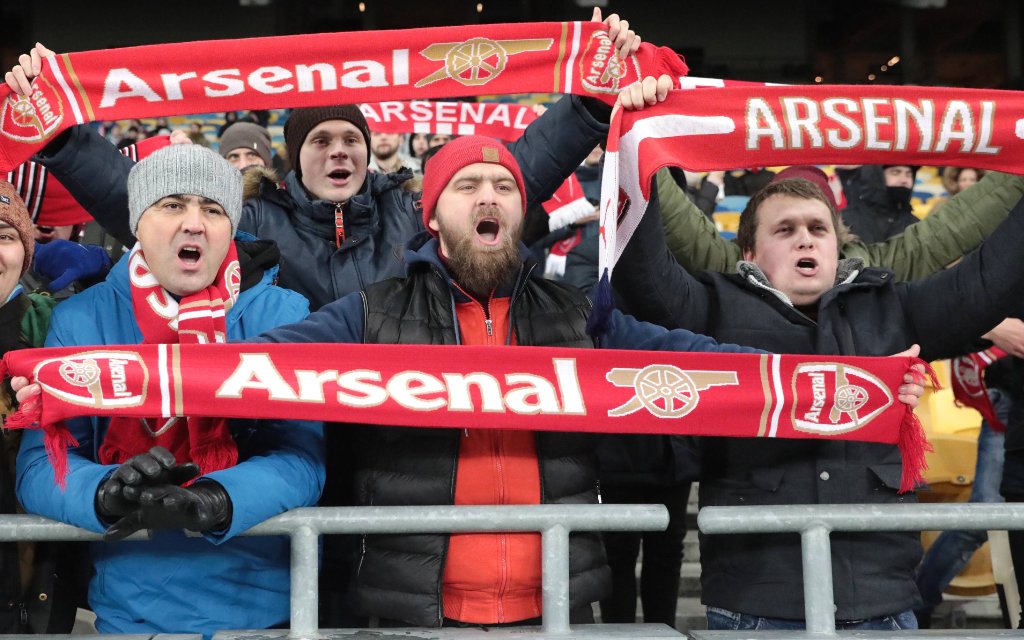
(833, 398)
(477, 60)
(664, 390)
(99, 379)
(32, 118)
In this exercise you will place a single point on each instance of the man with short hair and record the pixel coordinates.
(245, 144)
(794, 295)
(186, 281)
(386, 150)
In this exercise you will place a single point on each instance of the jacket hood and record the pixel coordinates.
(846, 271)
(255, 179)
(871, 186)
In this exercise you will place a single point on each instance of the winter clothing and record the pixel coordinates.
(875, 212)
(924, 248)
(455, 156)
(174, 583)
(402, 575)
(377, 221)
(873, 572)
(302, 120)
(184, 169)
(247, 135)
(14, 213)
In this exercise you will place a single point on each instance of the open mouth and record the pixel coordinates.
(808, 266)
(340, 175)
(190, 255)
(487, 229)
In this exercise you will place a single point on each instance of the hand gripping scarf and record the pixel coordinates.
(532, 388)
(197, 319)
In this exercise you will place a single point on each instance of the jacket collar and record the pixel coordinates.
(361, 216)
(846, 272)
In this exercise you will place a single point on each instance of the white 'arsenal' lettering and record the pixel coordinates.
(876, 124)
(122, 83)
(818, 393)
(523, 393)
(118, 378)
(453, 112)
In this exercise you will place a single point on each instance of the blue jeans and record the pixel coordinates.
(725, 620)
(952, 550)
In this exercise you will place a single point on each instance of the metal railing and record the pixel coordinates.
(305, 526)
(814, 523)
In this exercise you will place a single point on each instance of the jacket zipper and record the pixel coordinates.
(339, 225)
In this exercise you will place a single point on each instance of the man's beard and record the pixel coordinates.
(386, 154)
(477, 271)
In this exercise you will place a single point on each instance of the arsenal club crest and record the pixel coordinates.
(32, 118)
(97, 379)
(664, 390)
(601, 70)
(830, 399)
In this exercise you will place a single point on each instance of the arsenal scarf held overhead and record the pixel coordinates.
(543, 389)
(319, 69)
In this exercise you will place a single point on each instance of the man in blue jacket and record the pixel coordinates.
(185, 281)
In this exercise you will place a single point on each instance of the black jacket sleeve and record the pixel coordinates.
(96, 174)
(655, 287)
(955, 306)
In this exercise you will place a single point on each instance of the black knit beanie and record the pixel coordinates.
(302, 121)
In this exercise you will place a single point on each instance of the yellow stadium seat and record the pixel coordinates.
(727, 221)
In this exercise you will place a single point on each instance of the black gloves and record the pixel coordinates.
(204, 506)
(119, 494)
(145, 493)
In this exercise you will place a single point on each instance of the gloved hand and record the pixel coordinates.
(120, 494)
(63, 262)
(205, 506)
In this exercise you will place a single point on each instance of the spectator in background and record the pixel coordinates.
(245, 144)
(230, 118)
(746, 182)
(418, 145)
(438, 139)
(956, 179)
(589, 175)
(386, 153)
(878, 200)
(114, 133)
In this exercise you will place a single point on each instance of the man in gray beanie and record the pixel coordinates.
(184, 202)
(185, 280)
(246, 144)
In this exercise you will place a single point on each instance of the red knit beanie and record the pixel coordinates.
(813, 175)
(462, 152)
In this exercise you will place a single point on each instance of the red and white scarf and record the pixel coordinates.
(319, 69)
(967, 378)
(197, 319)
(532, 388)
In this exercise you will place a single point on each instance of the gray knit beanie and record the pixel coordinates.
(185, 169)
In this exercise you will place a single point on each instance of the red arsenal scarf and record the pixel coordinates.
(196, 319)
(722, 128)
(532, 388)
(319, 69)
(967, 377)
(501, 120)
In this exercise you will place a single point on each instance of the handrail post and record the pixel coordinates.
(555, 580)
(819, 599)
(304, 584)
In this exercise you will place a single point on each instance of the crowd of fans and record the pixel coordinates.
(821, 265)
